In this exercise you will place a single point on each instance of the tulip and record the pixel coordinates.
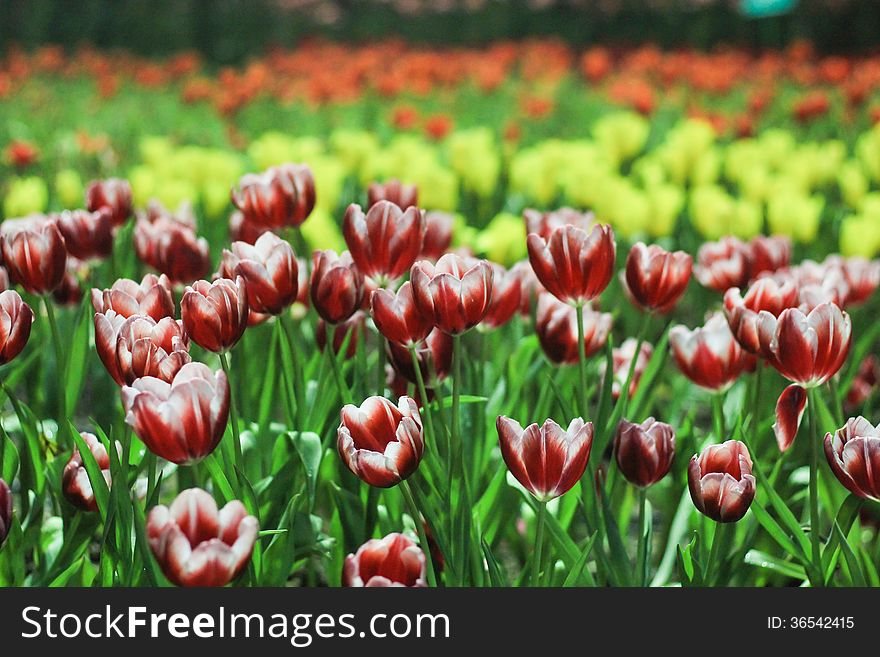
(33, 253)
(280, 196)
(169, 244)
(709, 355)
(621, 360)
(452, 294)
(5, 511)
(16, 318)
(69, 293)
(242, 230)
(215, 315)
(336, 285)
(768, 254)
(655, 279)
(862, 277)
(391, 561)
(723, 264)
(644, 452)
(547, 460)
(772, 295)
(270, 270)
(720, 481)
(853, 453)
(112, 194)
(107, 325)
(393, 191)
(556, 328)
(86, 234)
(151, 297)
(379, 442)
(544, 223)
(145, 347)
(397, 318)
(75, 482)
(819, 282)
(438, 235)
(530, 287)
(182, 421)
(434, 353)
(386, 241)
(574, 266)
(864, 382)
(353, 326)
(196, 544)
(506, 296)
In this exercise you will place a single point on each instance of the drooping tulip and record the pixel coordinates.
(379, 442)
(336, 286)
(454, 294)
(280, 196)
(145, 347)
(556, 328)
(33, 253)
(644, 452)
(112, 194)
(721, 482)
(654, 278)
(709, 355)
(215, 315)
(269, 269)
(75, 482)
(853, 453)
(385, 242)
(196, 544)
(16, 318)
(151, 297)
(392, 561)
(182, 421)
(547, 460)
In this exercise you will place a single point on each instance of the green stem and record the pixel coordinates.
(423, 393)
(59, 362)
(380, 367)
(291, 403)
(457, 456)
(420, 528)
(539, 544)
(756, 401)
(341, 388)
(642, 552)
(582, 360)
(813, 438)
(718, 416)
(233, 418)
(643, 330)
(720, 541)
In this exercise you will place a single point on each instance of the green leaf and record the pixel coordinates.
(308, 446)
(769, 562)
(93, 470)
(576, 573)
(852, 561)
(77, 351)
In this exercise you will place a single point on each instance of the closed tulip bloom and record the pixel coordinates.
(438, 235)
(722, 265)
(145, 347)
(16, 318)
(772, 295)
(506, 297)
(853, 453)
(768, 254)
(645, 451)
(182, 421)
(354, 325)
(196, 544)
(168, 243)
(547, 460)
(397, 318)
(385, 242)
(5, 511)
(654, 278)
(151, 297)
(75, 482)
(215, 315)
(544, 223)
(392, 561)
(107, 325)
(720, 481)
(454, 294)
(709, 355)
(280, 196)
(86, 234)
(556, 328)
(269, 269)
(434, 353)
(33, 253)
(336, 286)
(379, 442)
(112, 194)
(574, 266)
(394, 191)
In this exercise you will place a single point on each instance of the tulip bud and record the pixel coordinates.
(269, 269)
(196, 544)
(182, 421)
(720, 481)
(556, 328)
(145, 347)
(16, 318)
(151, 297)
(379, 442)
(453, 295)
(393, 191)
(506, 296)
(86, 234)
(547, 460)
(33, 253)
(112, 194)
(574, 266)
(215, 315)
(280, 196)
(5, 511)
(391, 561)
(655, 279)
(709, 355)
(336, 286)
(645, 451)
(386, 241)
(853, 453)
(397, 318)
(75, 482)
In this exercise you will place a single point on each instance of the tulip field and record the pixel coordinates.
(519, 315)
